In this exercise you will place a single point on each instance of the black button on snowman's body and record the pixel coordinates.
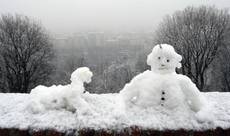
(162, 97)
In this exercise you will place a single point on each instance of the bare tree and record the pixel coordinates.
(116, 76)
(26, 53)
(225, 68)
(197, 33)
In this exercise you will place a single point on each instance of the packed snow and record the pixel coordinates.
(157, 99)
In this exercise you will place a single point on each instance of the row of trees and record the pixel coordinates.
(28, 59)
(200, 34)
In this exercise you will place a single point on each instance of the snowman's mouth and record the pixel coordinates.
(162, 68)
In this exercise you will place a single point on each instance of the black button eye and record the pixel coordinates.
(159, 57)
(168, 60)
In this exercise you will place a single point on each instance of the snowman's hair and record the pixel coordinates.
(168, 48)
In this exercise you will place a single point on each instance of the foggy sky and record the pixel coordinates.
(69, 16)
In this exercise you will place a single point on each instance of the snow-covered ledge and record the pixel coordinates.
(107, 119)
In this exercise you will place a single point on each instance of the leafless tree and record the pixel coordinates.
(197, 33)
(225, 68)
(116, 76)
(26, 52)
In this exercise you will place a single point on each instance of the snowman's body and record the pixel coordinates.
(165, 89)
(162, 86)
(155, 90)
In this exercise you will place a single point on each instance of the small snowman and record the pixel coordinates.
(73, 98)
(67, 97)
(162, 86)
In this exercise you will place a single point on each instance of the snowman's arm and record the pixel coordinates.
(192, 93)
(131, 89)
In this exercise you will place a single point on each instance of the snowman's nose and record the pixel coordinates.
(162, 65)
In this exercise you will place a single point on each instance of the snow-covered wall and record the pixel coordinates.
(14, 113)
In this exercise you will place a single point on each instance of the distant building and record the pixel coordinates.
(96, 38)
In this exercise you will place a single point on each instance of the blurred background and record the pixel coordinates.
(44, 41)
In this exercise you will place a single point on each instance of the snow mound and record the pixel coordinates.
(107, 113)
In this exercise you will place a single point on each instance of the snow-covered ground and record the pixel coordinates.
(107, 112)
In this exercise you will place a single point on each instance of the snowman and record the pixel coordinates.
(67, 97)
(162, 86)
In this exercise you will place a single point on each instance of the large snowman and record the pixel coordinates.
(162, 86)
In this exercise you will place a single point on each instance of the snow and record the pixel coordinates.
(107, 113)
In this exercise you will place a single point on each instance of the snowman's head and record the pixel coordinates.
(164, 59)
(82, 74)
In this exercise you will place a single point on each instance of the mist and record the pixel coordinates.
(70, 16)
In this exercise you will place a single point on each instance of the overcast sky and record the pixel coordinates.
(69, 16)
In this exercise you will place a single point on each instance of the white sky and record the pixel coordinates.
(69, 16)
